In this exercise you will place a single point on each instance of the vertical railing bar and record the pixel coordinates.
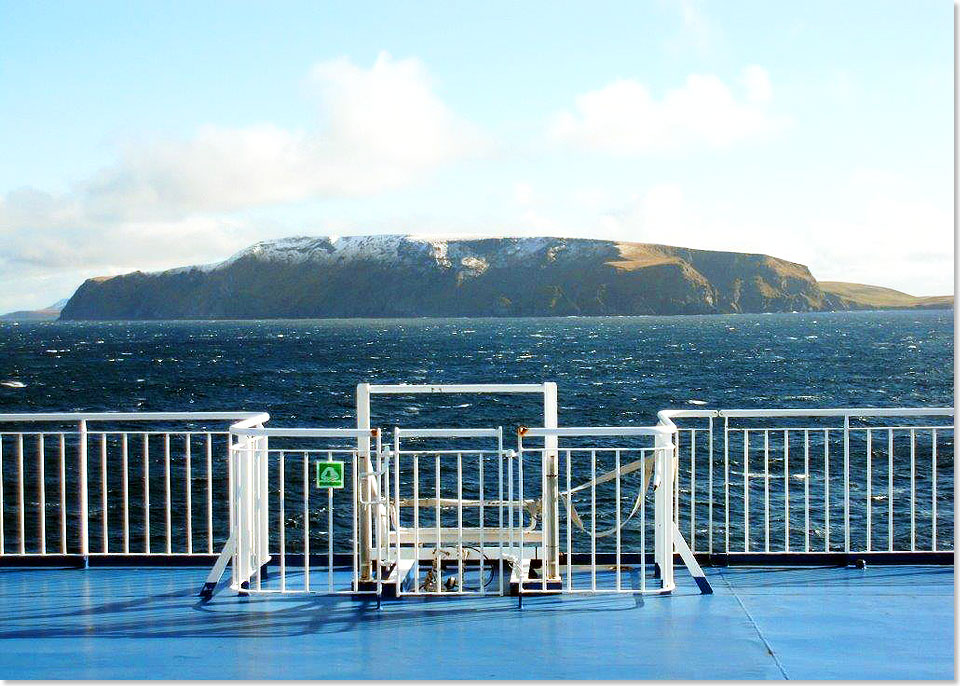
(617, 468)
(416, 518)
(2, 523)
(209, 493)
(355, 457)
(437, 560)
(806, 490)
(306, 521)
(786, 490)
(189, 485)
(480, 515)
(766, 490)
(676, 481)
(726, 484)
(166, 483)
(543, 489)
(126, 492)
(260, 503)
(826, 489)
(500, 511)
(22, 498)
(933, 488)
(41, 477)
(84, 494)
(63, 495)
(890, 490)
(593, 520)
(846, 483)
(460, 522)
(146, 493)
(330, 532)
(869, 490)
(281, 486)
(105, 525)
(396, 501)
(693, 489)
(913, 489)
(569, 530)
(746, 490)
(643, 532)
(710, 486)
(519, 508)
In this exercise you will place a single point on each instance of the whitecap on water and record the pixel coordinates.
(697, 402)
(13, 384)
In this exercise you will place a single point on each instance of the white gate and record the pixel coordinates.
(448, 512)
(295, 496)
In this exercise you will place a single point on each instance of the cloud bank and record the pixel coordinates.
(624, 118)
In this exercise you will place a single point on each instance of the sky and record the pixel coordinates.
(153, 135)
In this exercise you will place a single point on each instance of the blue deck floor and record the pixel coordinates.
(882, 622)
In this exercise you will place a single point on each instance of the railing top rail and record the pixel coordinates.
(594, 431)
(296, 432)
(131, 416)
(843, 412)
(457, 388)
(446, 433)
(666, 417)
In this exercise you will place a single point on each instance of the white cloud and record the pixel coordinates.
(523, 193)
(379, 128)
(168, 202)
(881, 230)
(624, 118)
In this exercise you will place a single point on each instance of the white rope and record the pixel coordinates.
(646, 463)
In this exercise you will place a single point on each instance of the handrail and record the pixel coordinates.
(280, 432)
(594, 431)
(130, 416)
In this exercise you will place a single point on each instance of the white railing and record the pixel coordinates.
(606, 473)
(114, 483)
(451, 507)
(815, 482)
(279, 516)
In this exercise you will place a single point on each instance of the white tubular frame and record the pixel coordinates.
(483, 537)
(818, 445)
(548, 390)
(249, 550)
(88, 428)
(667, 536)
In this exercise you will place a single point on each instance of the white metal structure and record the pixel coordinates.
(814, 482)
(621, 463)
(271, 486)
(449, 503)
(365, 393)
(590, 509)
(97, 475)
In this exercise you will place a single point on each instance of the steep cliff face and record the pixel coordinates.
(408, 276)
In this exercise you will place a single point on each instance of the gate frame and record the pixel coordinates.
(445, 433)
(548, 389)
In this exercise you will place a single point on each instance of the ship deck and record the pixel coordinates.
(883, 622)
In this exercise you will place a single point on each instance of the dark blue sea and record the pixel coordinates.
(609, 371)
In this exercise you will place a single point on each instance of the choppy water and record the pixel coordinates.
(617, 370)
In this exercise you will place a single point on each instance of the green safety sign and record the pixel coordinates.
(329, 474)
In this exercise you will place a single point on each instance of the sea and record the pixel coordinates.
(609, 370)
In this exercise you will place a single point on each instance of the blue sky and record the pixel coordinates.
(150, 135)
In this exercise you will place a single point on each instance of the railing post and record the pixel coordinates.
(551, 468)
(366, 494)
(663, 506)
(84, 506)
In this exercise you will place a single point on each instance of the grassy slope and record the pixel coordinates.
(877, 296)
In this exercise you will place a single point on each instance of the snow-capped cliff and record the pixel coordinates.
(397, 276)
